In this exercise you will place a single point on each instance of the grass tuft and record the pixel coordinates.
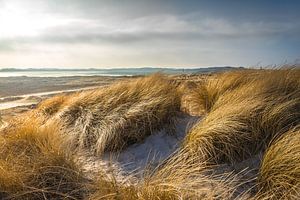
(280, 169)
(35, 164)
(174, 180)
(245, 110)
(111, 118)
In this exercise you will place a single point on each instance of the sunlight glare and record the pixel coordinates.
(16, 20)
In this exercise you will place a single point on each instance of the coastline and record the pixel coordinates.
(16, 86)
(20, 94)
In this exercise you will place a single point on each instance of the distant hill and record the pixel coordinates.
(125, 71)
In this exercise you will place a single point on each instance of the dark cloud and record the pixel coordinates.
(180, 30)
(255, 10)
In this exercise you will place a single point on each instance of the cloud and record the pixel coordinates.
(197, 31)
(159, 28)
(6, 46)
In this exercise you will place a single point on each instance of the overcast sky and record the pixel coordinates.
(162, 33)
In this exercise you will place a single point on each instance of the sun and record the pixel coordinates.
(17, 20)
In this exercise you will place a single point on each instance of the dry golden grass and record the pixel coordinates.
(176, 179)
(51, 106)
(245, 110)
(114, 117)
(209, 89)
(280, 170)
(35, 163)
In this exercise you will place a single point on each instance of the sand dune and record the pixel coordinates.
(137, 139)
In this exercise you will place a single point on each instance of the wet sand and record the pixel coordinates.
(16, 86)
(20, 94)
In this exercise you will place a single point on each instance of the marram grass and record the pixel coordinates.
(35, 163)
(244, 111)
(111, 118)
(175, 180)
(279, 175)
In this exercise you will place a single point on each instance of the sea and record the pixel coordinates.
(58, 72)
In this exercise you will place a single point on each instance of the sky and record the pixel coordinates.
(148, 33)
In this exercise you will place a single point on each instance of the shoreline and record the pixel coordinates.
(35, 98)
(18, 86)
(21, 94)
(46, 93)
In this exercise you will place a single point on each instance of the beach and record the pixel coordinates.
(23, 93)
(201, 131)
(14, 86)
(20, 94)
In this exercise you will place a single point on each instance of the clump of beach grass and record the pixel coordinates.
(35, 163)
(174, 180)
(52, 105)
(206, 92)
(111, 118)
(244, 111)
(279, 176)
